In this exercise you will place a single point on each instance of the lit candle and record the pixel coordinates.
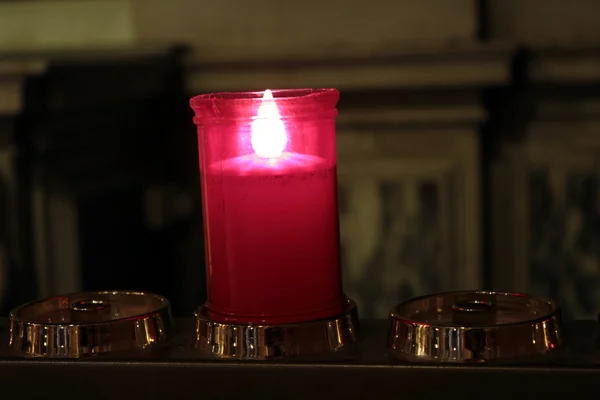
(268, 173)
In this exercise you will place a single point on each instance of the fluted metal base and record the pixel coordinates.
(89, 324)
(474, 327)
(262, 342)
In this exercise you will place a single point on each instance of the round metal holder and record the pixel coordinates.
(89, 323)
(262, 342)
(474, 327)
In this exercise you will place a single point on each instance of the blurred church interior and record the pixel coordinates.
(468, 140)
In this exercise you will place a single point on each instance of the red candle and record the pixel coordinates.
(269, 187)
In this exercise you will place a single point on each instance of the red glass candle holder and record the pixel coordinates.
(268, 176)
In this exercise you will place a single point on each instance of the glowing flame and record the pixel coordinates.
(268, 137)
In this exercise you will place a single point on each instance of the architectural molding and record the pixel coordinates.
(236, 28)
(433, 67)
(565, 64)
(59, 24)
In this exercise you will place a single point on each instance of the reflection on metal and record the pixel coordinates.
(268, 342)
(89, 323)
(474, 326)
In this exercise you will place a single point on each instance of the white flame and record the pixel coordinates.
(268, 136)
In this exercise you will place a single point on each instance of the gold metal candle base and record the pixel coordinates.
(89, 323)
(261, 342)
(474, 327)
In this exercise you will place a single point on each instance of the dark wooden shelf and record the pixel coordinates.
(363, 372)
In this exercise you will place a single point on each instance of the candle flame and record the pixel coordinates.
(268, 136)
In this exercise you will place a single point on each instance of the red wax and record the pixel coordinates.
(272, 229)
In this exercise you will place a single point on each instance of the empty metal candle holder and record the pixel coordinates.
(89, 323)
(474, 327)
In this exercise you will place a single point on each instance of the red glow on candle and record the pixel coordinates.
(268, 136)
(270, 216)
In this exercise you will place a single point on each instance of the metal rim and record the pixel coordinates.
(264, 342)
(553, 310)
(474, 337)
(88, 334)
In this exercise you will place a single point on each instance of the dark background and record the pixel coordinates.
(468, 141)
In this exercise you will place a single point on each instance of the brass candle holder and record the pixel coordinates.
(474, 327)
(89, 323)
(263, 342)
